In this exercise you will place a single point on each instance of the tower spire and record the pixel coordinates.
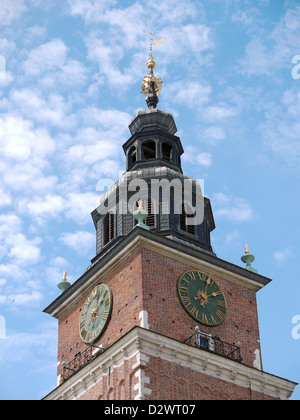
(151, 85)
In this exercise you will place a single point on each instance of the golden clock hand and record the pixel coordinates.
(214, 294)
(207, 284)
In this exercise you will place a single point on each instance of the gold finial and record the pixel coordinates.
(247, 249)
(140, 205)
(64, 276)
(151, 63)
(152, 84)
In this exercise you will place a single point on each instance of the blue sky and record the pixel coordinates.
(70, 74)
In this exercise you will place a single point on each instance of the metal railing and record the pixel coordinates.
(80, 360)
(215, 345)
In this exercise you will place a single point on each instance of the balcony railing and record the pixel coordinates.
(215, 345)
(80, 360)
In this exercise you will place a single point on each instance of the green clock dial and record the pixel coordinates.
(202, 298)
(95, 314)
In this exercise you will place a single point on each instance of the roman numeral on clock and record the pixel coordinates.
(220, 315)
(105, 315)
(222, 303)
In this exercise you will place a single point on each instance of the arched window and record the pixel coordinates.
(167, 151)
(184, 225)
(132, 156)
(109, 228)
(149, 149)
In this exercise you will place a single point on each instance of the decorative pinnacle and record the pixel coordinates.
(248, 258)
(64, 284)
(141, 215)
(151, 85)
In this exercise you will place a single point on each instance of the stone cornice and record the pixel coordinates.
(140, 238)
(141, 341)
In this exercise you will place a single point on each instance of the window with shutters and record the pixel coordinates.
(150, 221)
(184, 225)
(109, 228)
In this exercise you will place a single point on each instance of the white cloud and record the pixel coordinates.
(26, 299)
(28, 177)
(53, 110)
(221, 111)
(81, 242)
(109, 43)
(98, 143)
(231, 208)
(15, 245)
(55, 269)
(20, 141)
(51, 65)
(25, 151)
(11, 10)
(5, 198)
(280, 130)
(80, 205)
(109, 56)
(166, 12)
(47, 206)
(190, 94)
(283, 255)
(49, 56)
(270, 51)
(25, 251)
(91, 153)
(192, 156)
(204, 159)
(44, 340)
(213, 134)
(74, 206)
(6, 46)
(91, 11)
(232, 238)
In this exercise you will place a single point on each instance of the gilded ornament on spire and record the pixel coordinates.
(151, 85)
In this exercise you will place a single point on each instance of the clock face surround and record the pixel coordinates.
(95, 314)
(202, 298)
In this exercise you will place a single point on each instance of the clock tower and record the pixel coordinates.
(157, 315)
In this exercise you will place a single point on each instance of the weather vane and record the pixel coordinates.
(151, 85)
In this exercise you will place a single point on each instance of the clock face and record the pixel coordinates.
(201, 297)
(95, 314)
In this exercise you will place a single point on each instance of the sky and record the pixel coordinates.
(70, 75)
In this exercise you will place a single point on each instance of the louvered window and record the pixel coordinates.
(109, 227)
(150, 221)
(183, 221)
